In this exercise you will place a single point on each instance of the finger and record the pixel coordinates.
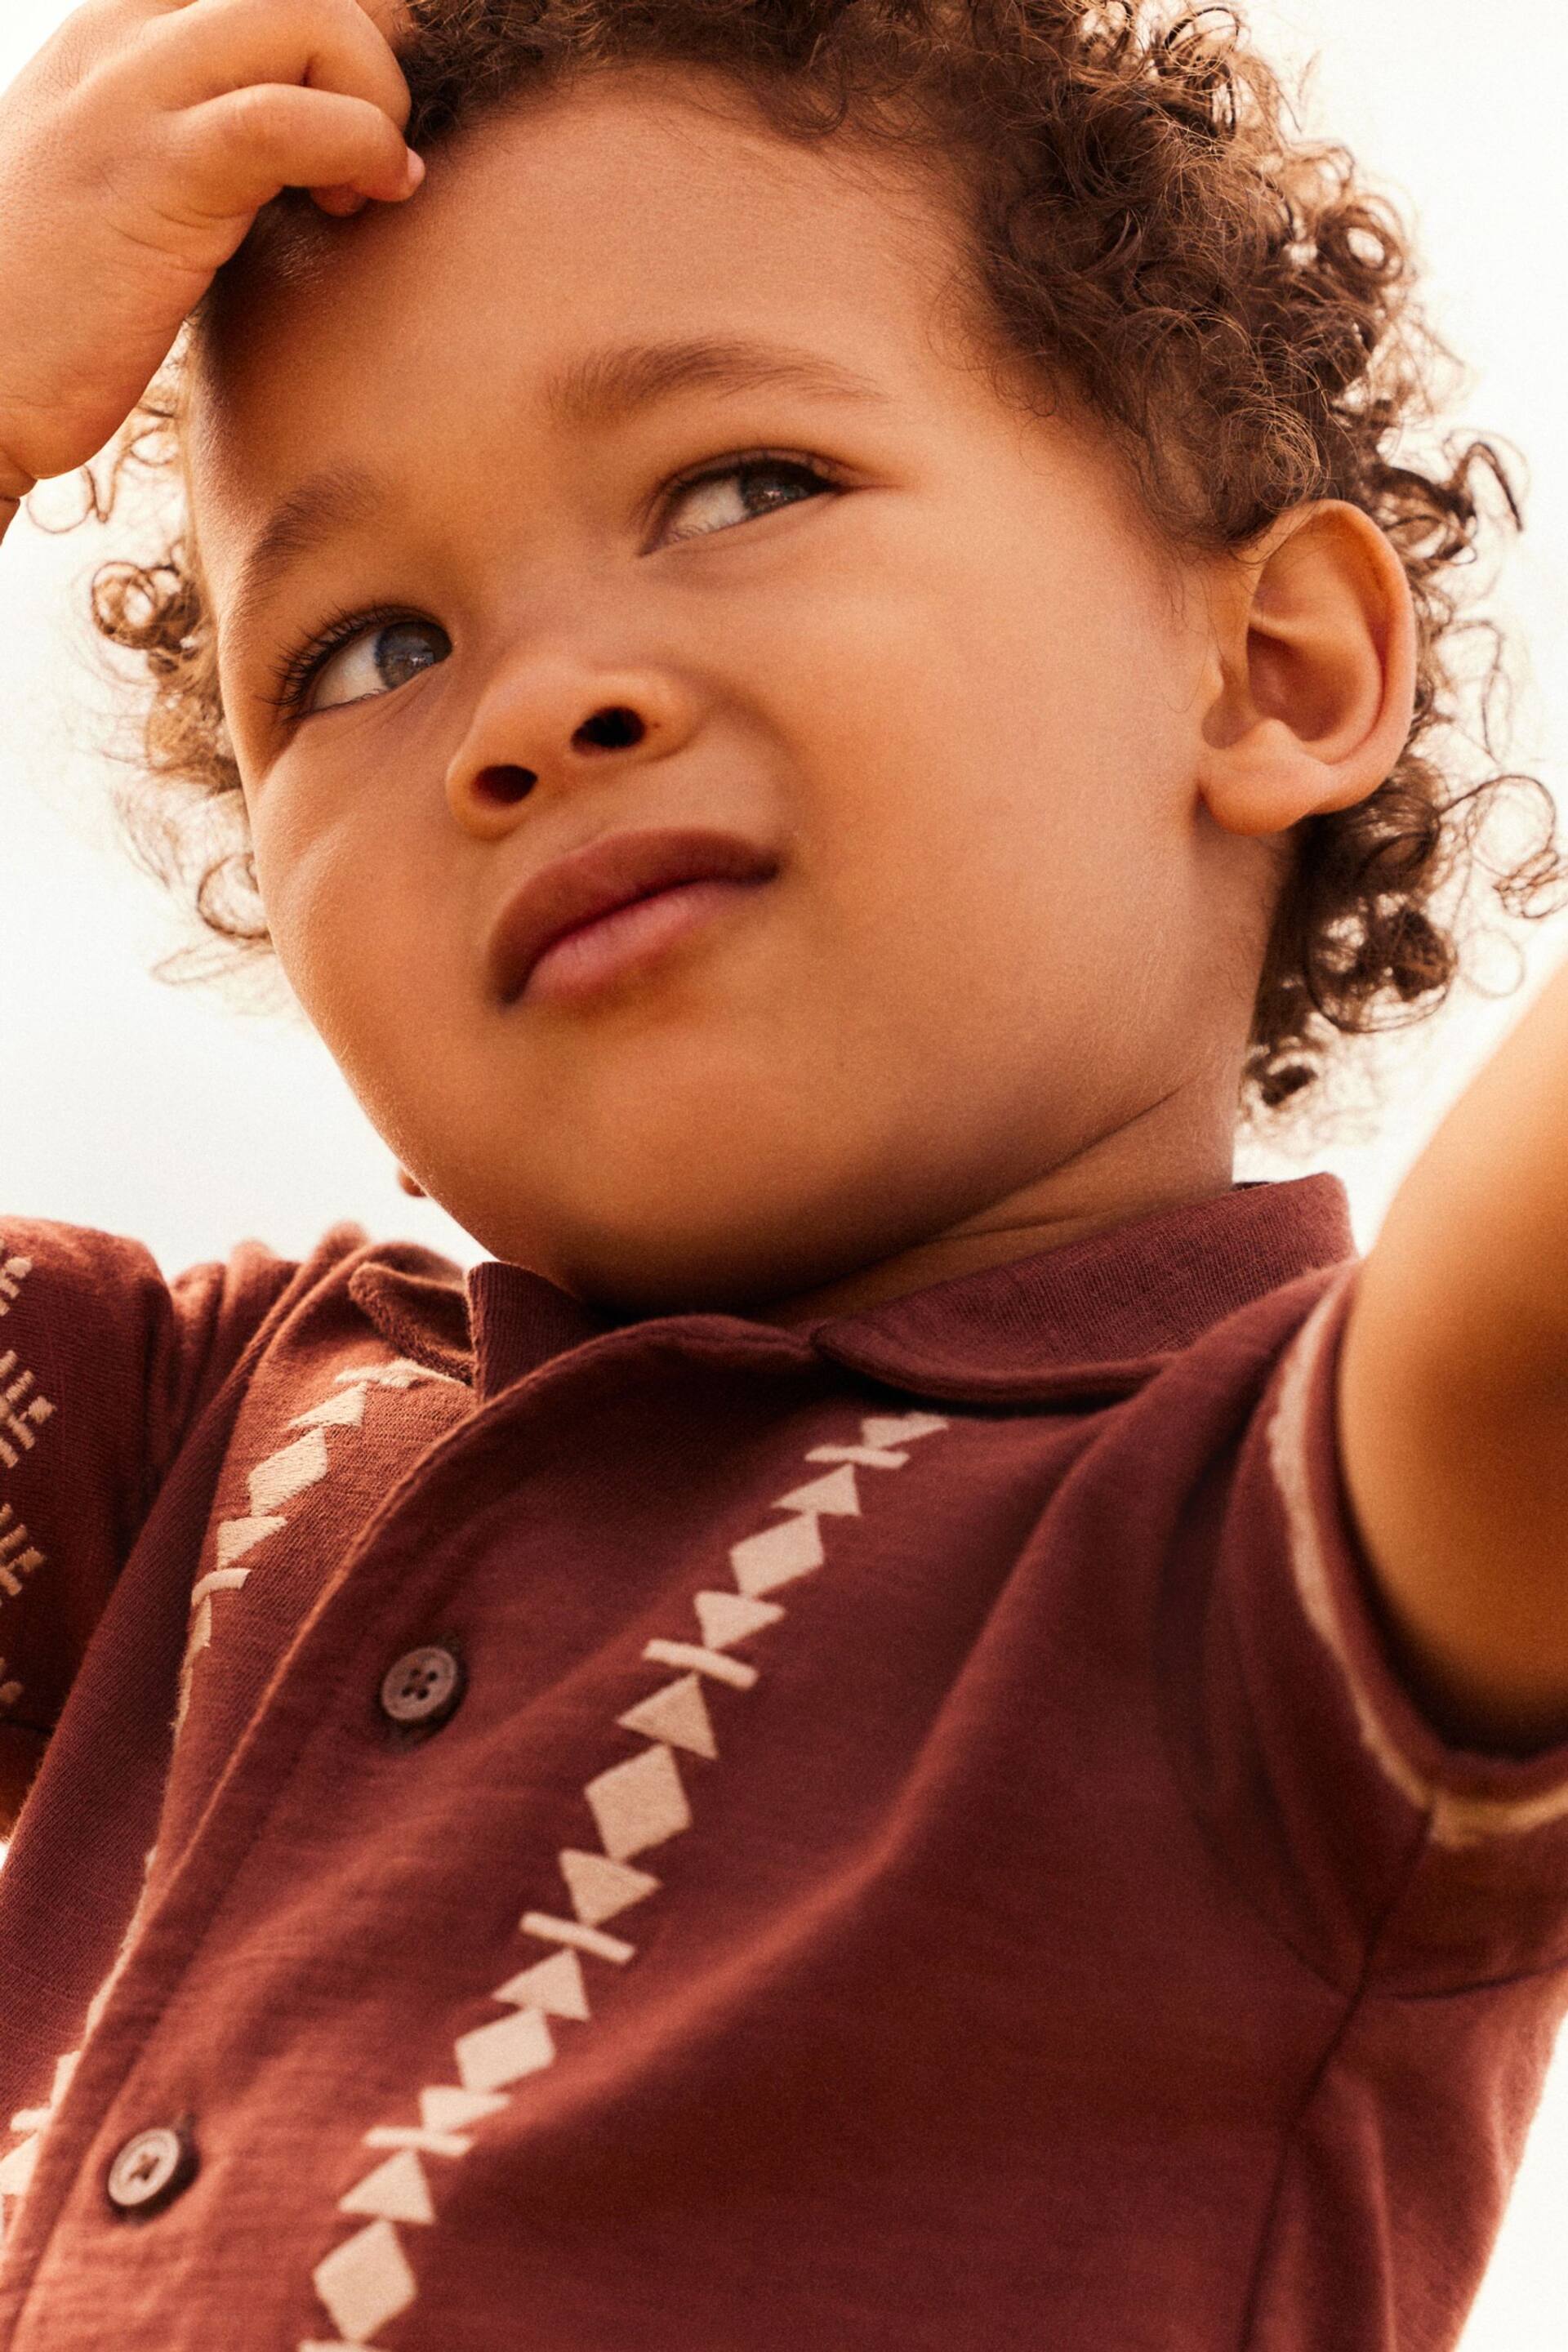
(209, 47)
(342, 202)
(392, 19)
(235, 152)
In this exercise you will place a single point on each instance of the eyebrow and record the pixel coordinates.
(604, 387)
(323, 504)
(600, 389)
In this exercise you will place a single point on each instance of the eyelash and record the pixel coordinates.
(296, 673)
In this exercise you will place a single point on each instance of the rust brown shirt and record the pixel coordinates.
(688, 1836)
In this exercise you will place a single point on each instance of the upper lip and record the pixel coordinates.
(607, 874)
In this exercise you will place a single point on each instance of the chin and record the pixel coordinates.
(729, 1255)
(714, 1213)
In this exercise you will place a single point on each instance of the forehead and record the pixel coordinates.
(641, 207)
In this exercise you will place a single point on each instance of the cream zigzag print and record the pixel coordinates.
(277, 1481)
(22, 1415)
(19, 2168)
(367, 2280)
(19, 2165)
(19, 1557)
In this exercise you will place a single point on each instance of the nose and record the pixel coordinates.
(551, 726)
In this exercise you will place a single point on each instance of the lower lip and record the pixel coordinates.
(584, 960)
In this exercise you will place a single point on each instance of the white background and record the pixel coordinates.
(171, 1114)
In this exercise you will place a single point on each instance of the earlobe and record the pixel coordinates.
(1315, 663)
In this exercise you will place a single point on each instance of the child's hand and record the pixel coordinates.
(135, 150)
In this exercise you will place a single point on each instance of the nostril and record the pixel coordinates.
(612, 730)
(505, 785)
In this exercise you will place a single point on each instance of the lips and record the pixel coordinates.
(607, 874)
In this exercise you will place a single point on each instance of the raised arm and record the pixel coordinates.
(135, 150)
(1453, 1403)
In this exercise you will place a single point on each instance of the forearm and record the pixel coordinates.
(1453, 1403)
(1476, 1240)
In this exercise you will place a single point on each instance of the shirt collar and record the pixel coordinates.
(1101, 1316)
(1097, 1317)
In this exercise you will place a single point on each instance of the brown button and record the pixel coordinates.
(423, 1687)
(152, 2168)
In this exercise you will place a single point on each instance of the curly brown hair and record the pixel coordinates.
(1231, 299)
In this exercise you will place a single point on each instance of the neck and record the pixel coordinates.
(1166, 1156)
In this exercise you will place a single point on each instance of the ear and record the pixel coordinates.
(1312, 682)
(415, 1191)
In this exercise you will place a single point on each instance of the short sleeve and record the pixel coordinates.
(104, 1367)
(1386, 1855)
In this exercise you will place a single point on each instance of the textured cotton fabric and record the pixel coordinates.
(932, 1854)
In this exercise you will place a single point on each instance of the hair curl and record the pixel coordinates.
(1235, 304)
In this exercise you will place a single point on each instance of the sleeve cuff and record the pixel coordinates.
(1472, 1796)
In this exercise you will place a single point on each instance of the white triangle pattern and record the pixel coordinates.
(201, 1631)
(555, 1986)
(365, 2281)
(218, 1579)
(903, 1431)
(677, 1713)
(345, 1411)
(637, 1803)
(835, 1497)
(727, 1617)
(503, 2052)
(778, 1554)
(396, 2191)
(443, 2107)
(304, 1462)
(870, 1457)
(235, 1537)
(17, 2169)
(289, 1472)
(600, 1887)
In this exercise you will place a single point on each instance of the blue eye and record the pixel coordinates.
(375, 652)
(741, 490)
(377, 660)
(359, 656)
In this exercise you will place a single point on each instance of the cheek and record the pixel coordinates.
(331, 884)
(981, 740)
(1004, 637)
(292, 875)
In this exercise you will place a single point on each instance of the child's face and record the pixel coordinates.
(1001, 979)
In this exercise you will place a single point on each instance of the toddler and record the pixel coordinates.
(912, 1722)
